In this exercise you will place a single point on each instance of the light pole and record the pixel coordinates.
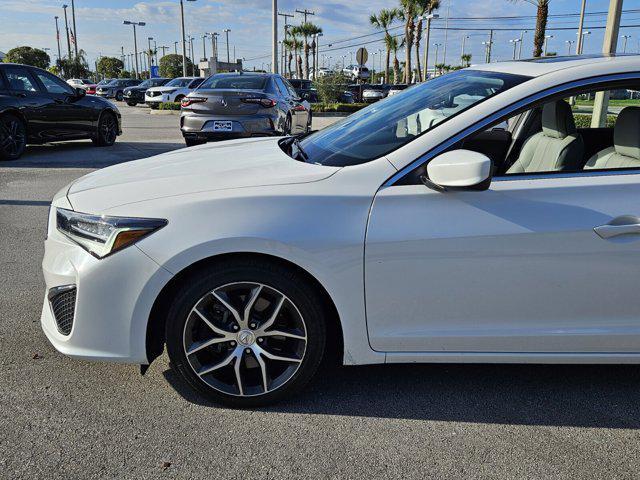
(427, 34)
(66, 26)
(624, 45)
(515, 42)
(58, 37)
(569, 43)
(204, 47)
(149, 53)
(135, 40)
(274, 35)
(464, 39)
(580, 27)
(546, 41)
(317, 65)
(192, 56)
(175, 47)
(75, 31)
(184, 45)
(435, 63)
(522, 34)
(226, 31)
(581, 41)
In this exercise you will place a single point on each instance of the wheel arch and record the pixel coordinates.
(109, 110)
(155, 331)
(17, 113)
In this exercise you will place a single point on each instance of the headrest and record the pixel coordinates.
(626, 133)
(557, 120)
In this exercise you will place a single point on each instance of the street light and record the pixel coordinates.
(584, 38)
(515, 42)
(58, 37)
(522, 34)
(226, 31)
(624, 48)
(184, 45)
(135, 40)
(546, 41)
(427, 34)
(569, 43)
(437, 45)
(149, 54)
(464, 39)
(317, 65)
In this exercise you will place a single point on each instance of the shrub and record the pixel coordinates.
(337, 107)
(169, 106)
(583, 120)
(330, 87)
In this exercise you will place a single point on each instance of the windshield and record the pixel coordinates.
(395, 121)
(236, 82)
(179, 82)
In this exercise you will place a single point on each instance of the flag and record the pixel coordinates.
(73, 37)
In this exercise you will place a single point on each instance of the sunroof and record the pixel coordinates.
(571, 58)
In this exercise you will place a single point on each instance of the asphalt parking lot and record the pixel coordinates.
(62, 418)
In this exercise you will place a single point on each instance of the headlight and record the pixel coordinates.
(103, 235)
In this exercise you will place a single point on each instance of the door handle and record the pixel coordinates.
(623, 225)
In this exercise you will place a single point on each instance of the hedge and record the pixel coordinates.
(169, 106)
(583, 120)
(337, 107)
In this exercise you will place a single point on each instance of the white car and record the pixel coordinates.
(500, 233)
(172, 91)
(357, 72)
(84, 83)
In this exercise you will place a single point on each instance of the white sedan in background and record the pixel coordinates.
(172, 91)
(507, 231)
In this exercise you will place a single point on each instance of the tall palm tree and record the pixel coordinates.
(314, 49)
(393, 45)
(425, 7)
(306, 30)
(290, 44)
(542, 16)
(297, 45)
(383, 20)
(408, 11)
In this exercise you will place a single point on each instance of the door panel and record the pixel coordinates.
(517, 268)
(32, 102)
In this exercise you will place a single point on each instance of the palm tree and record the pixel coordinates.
(289, 44)
(466, 59)
(297, 45)
(409, 11)
(306, 30)
(383, 20)
(425, 7)
(314, 50)
(393, 45)
(541, 24)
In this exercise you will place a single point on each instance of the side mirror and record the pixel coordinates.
(80, 92)
(459, 170)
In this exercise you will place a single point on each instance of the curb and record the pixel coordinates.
(164, 112)
(330, 114)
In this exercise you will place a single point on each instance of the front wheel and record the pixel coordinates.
(132, 104)
(309, 122)
(286, 128)
(107, 130)
(13, 137)
(246, 333)
(119, 96)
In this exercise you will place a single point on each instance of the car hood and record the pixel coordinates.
(214, 166)
(135, 88)
(164, 89)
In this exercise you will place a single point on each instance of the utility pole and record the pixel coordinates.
(464, 39)
(427, 34)
(184, 45)
(569, 43)
(437, 45)
(58, 38)
(66, 26)
(226, 31)
(446, 33)
(204, 47)
(580, 27)
(122, 56)
(286, 17)
(522, 33)
(624, 47)
(489, 46)
(274, 34)
(601, 102)
(515, 42)
(305, 12)
(175, 47)
(75, 30)
(164, 49)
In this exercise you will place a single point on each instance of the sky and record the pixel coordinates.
(345, 25)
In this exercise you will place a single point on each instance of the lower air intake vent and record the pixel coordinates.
(63, 305)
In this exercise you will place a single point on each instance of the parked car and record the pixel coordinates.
(38, 107)
(172, 91)
(397, 88)
(391, 236)
(373, 93)
(304, 89)
(134, 95)
(357, 72)
(115, 88)
(322, 72)
(236, 105)
(85, 83)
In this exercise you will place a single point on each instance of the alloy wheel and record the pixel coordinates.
(245, 339)
(12, 136)
(108, 129)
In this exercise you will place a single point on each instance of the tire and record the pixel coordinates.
(309, 122)
(300, 313)
(132, 104)
(286, 128)
(192, 142)
(107, 130)
(154, 106)
(13, 137)
(119, 96)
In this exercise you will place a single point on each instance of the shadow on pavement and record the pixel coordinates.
(82, 154)
(554, 395)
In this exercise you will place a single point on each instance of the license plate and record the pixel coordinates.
(219, 126)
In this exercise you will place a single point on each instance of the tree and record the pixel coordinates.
(314, 51)
(292, 44)
(466, 59)
(383, 20)
(331, 87)
(542, 16)
(110, 67)
(424, 7)
(28, 56)
(171, 65)
(306, 30)
(76, 67)
(408, 11)
(393, 45)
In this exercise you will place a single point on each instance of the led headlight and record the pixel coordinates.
(103, 235)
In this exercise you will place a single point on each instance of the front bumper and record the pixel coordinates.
(114, 296)
(106, 94)
(164, 98)
(134, 97)
(201, 126)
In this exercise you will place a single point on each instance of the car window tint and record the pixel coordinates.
(292, 91)
(53, 84)
(282, 87)
(196, 83)
(20, 79)
(236, 82)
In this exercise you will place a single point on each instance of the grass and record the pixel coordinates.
(612, 102)
(337, 107)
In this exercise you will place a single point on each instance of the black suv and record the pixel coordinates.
(38, 107)
(135, 95)
(115, 88)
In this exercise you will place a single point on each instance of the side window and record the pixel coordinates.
(282, 87)
(20, 79)
(292, 91)
(196, 83)
(53, 84)
(559, 136)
